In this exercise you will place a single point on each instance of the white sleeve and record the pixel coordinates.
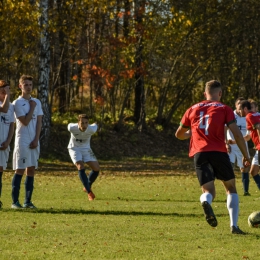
(12, 113)
(93, 128)
(18, 109)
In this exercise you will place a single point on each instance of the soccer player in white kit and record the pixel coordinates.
(81, 152)
(28, 113)
(233, 150)
(6, 128)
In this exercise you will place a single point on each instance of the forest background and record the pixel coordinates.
(134, 66)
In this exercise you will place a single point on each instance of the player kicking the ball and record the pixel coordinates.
(80, 151)
(6, 127)
(206, 121)
(28, 113)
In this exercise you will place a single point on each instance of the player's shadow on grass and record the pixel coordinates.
(102, 212)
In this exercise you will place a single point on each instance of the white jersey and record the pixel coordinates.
(78, 138)
(24, 135)
(241, 123)
(5, 120)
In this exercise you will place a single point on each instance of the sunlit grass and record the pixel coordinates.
(148, 212)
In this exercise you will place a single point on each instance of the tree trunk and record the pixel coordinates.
(139, 110)
(44, 74)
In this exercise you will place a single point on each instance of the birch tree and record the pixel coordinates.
(44, 72)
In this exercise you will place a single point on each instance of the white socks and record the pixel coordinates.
(233, 208)
(206, 197)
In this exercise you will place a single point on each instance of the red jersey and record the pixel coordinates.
(252, 119)
(207, 121)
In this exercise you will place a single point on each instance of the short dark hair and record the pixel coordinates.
(240, 99)
(84, 116)
(245, 103)
(212, 85)
(3, 83)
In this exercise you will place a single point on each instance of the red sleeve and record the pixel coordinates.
(230, 117)
(249, 124)
(185, 121)
(254, 120)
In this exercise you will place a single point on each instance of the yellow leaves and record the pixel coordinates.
(188, 22)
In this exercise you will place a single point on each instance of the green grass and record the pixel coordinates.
(142, 211)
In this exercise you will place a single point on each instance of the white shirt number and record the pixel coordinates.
(204, 122)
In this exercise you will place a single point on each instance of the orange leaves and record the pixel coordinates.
(127, 73)
(99, 100)
(103, 76)
(122, 14)
(80, 62)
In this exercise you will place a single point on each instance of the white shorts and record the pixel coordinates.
(84, 155)
(236, 155)
(24, 157)
(255, 159)
(4, 155)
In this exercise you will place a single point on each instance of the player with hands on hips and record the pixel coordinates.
(28, 113)
(81, 152)
(207, 120)
(6, 127)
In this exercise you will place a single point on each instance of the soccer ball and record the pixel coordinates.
(254, 219)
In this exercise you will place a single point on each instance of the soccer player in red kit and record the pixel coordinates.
(253, 126)
(204, 124)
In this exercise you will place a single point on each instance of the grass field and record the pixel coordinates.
(144, 209)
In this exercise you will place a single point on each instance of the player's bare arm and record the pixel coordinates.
(5, 105)
(6, 143)
(35, 141)
(228, 142)
(246, 138)
(183, 133)
(240, 142)
(25, 120)
(257, 127)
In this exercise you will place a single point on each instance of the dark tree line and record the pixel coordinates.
(144, 60)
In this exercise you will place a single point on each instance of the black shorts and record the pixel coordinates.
(211, 165)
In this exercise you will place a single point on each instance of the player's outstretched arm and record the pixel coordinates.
(183, 133)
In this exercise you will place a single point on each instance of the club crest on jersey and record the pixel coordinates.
(23, 160)
(5, 119)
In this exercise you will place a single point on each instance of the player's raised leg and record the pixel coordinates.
(94, 165)
(206, 200)
(82, 175)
